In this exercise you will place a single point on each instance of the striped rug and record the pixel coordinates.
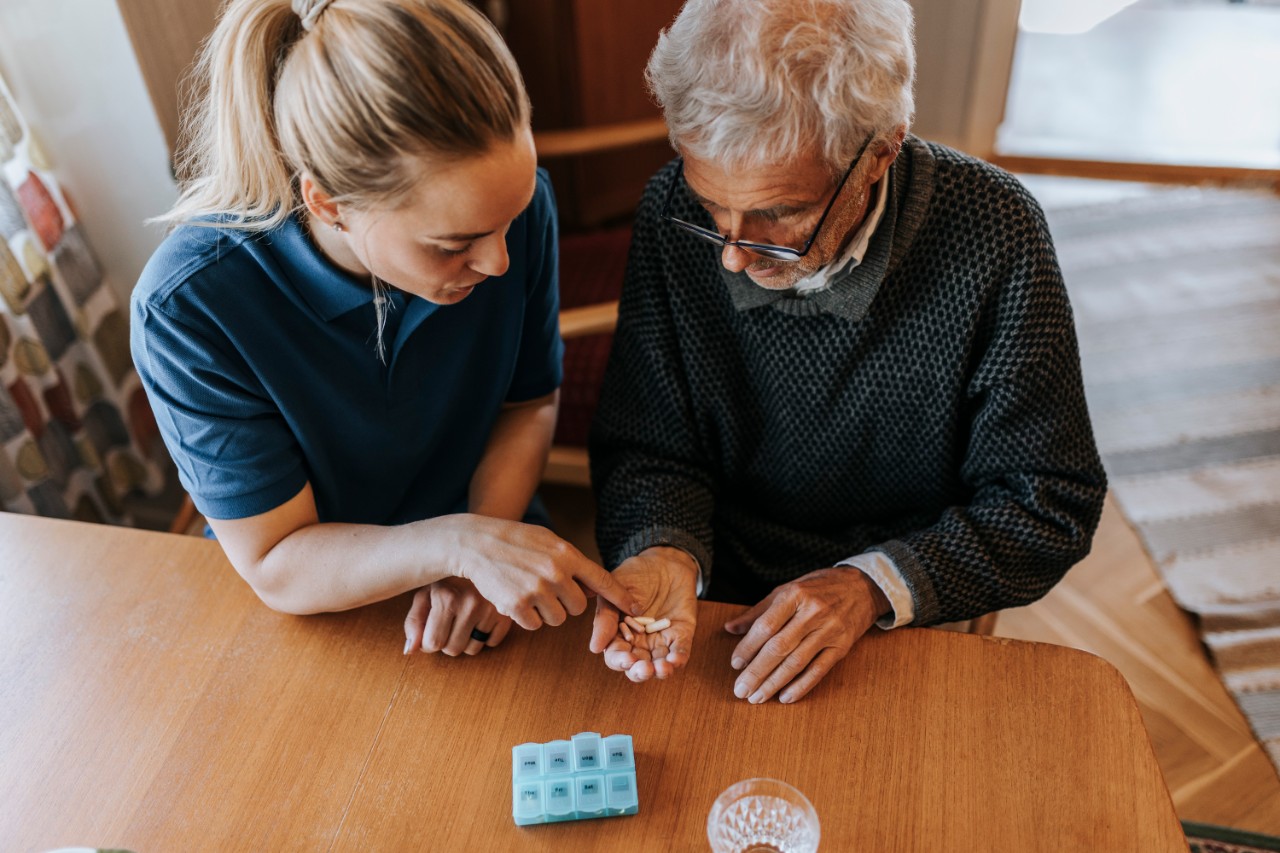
(1177, 301)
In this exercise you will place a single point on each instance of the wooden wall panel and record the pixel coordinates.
(540, 35)
(583, 62)
(613, 43)
(166, 36)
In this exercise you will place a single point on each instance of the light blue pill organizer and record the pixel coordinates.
(584, 777)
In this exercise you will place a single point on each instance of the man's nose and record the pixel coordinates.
(735, 259)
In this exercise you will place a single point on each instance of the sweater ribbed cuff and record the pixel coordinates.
(923, 593)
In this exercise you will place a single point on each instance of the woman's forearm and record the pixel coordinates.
(330, 567)
(298, 565)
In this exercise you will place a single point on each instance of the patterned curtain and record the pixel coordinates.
(77, 438)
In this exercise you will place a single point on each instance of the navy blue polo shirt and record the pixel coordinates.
(259, 358)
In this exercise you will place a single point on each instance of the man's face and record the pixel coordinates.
(781, 204)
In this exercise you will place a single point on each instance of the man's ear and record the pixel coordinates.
(886, 151)
(318, 202)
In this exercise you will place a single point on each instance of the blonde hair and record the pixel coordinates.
(753, 82)
(356, 99)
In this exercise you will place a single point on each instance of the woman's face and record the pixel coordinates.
(449, 235)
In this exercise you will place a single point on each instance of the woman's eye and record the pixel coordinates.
(447, 252)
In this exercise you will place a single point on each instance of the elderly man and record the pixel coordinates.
(845, 387)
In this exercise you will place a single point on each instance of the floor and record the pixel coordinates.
(1194, 82)
(1114, 605)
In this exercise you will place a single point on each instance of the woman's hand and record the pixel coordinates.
(444, 615)
(527, 572)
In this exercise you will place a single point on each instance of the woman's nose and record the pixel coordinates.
(492, 258)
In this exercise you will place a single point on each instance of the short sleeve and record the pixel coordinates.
(234, 451)
(539, 361)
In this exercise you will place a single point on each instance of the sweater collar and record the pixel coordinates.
(852, 290)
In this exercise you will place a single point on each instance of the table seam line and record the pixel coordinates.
(364, 766)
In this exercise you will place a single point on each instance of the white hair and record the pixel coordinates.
(747, 83)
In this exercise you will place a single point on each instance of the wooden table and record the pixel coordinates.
(148, 700)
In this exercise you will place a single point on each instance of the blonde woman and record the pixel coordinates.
(350, 336)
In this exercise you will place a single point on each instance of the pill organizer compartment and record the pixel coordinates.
(584, 777)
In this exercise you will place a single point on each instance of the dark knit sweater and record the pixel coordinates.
(928, 404)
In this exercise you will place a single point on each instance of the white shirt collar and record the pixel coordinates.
(856, 251)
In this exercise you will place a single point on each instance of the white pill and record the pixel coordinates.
(645, 620)
(626, 633)
(635, 626)
(657, 626)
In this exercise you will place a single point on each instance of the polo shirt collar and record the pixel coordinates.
(330, 290)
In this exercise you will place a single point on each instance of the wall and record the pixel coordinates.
(72, 71)
(964, 55)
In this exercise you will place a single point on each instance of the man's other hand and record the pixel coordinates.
(800, 631)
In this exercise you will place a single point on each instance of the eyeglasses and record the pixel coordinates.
(768, 250)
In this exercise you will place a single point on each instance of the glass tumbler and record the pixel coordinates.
(762, 816)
